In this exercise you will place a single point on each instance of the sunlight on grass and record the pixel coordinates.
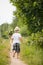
(31, 54)
(4, 52)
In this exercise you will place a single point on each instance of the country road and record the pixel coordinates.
(15, 61)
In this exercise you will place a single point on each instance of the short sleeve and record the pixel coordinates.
(20, 35)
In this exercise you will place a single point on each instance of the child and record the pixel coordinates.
(16, 38)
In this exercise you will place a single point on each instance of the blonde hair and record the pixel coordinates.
(17, 28)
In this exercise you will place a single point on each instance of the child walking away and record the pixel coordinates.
(16, 38)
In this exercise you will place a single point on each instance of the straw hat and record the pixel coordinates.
(16, 28)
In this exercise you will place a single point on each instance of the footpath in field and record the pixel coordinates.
(15, 61)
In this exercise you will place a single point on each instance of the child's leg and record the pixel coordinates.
(17, 55)
(14, 53)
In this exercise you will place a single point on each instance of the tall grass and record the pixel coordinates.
(4, 52)
(31, 54)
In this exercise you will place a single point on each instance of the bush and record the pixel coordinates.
(31, 55)
(4, 52)
(36, 39)
(32, 49)
(5, 35)
(24, 30)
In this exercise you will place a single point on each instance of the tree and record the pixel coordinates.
(4, 29)
(31, 12)
(14, 23)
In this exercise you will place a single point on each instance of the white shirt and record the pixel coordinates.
(16, 37)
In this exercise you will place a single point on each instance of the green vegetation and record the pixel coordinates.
(29, 12)
(32, 51)
(29, 17)
(31, 55)
(4, 52)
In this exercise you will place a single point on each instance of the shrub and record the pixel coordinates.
(36, 38)
(24, 30)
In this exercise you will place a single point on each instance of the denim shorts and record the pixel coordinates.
(16, 47)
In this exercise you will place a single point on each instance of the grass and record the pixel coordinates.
(4, 52)
(31, 54)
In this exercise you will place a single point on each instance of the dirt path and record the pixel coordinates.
(15, 61)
